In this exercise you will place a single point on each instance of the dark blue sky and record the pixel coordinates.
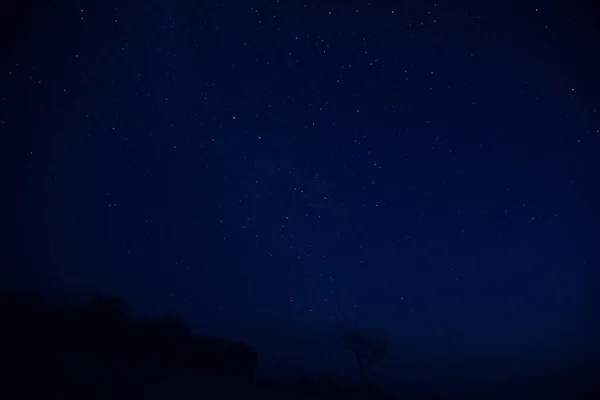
(276, 171)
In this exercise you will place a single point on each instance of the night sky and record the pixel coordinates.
(279, 172)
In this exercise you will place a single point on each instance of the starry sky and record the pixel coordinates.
(281, 171)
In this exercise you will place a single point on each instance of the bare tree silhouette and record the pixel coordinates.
(367, 348)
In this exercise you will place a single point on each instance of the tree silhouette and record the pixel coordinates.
(99, 347)
(367, 348)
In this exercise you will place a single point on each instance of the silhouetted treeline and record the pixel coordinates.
(50, 349)
(53, 349)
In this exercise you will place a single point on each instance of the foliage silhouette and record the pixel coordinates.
(99, 350)
(76, 350)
